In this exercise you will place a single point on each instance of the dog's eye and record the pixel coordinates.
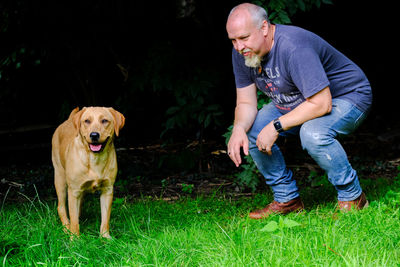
(104, 121)
(87, 121)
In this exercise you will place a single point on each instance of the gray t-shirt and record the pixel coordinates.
(300, 65)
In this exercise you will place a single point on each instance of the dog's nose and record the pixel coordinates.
(94, 136)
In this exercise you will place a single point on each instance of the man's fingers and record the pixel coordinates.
(238, 140)
(246, 148)
(237, 159)
(234, 154)
(265, 149)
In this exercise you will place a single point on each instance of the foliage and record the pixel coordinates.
(279, 11)
(15, 61)
(272, 226)
(262, 100)
(187, 188)
(227, 134)
(188, 94)
(191, 105)
(249, 176)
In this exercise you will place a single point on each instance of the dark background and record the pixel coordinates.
(136, 56)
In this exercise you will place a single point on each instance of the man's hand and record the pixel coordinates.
(266, 138)
(245, 114)
(238, 139)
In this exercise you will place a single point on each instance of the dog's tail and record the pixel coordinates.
(73, 112)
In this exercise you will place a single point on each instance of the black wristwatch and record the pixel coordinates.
(278, 125)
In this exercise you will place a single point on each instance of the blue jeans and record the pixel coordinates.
(318, 138)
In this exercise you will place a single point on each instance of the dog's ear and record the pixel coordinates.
(73, 112)
(119, 120)
(76, 119)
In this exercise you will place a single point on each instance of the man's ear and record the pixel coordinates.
(76, 120)
(119, 120)
(265, 27)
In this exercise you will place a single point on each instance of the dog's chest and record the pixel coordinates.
(97, 179)
(89, 172)
(92, 186)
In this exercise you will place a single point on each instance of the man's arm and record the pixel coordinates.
(314, 107)
(245, 114)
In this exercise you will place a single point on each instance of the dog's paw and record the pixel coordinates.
(66, 228)
(106, 235)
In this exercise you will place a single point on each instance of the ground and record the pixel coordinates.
(170, 171)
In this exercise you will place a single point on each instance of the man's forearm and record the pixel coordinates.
(245, 115)
(316, 106)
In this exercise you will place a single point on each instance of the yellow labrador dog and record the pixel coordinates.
(84, 160)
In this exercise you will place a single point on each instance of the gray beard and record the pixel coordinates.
(253, 62)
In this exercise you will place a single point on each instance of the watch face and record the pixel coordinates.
(278, 126)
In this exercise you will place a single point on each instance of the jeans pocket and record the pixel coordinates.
(359, 120)
(346, 116)
(361, 117)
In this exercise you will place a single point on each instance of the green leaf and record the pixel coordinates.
(270, 227)
(284, 17)
(213, 107)
(202, 115)
(327, 2)
(301, 4)
(207, 120)
(170, 123)
(172, 110)
(259, 3)
(281, 223)
(118, 201)
(290, 223)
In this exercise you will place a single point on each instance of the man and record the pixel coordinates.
(316, 92)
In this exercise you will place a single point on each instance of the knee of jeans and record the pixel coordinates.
(313, 137)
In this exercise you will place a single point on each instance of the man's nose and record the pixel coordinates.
(240, 45)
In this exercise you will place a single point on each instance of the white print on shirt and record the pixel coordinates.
(273, 73)
(268, 81)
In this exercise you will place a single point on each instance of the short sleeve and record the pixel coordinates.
(307, 71)
(242, 73)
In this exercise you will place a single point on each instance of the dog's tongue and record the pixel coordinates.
(95, 148)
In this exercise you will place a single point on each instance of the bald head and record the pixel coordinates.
(256, 14)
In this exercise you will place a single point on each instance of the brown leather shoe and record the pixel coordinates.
(278, 208)
(356, 204)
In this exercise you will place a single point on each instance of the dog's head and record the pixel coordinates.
(97, 126)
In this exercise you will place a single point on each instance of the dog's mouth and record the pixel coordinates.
(97, 147)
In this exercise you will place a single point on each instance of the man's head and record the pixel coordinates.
(248, 28)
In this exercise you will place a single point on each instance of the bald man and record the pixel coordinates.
(316, 93)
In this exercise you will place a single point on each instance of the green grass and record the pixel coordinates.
(206, 231)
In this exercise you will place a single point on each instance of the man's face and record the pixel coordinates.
(246, 38)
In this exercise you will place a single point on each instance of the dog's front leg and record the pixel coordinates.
(74, 206)
(61, 189)
(105, 203)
